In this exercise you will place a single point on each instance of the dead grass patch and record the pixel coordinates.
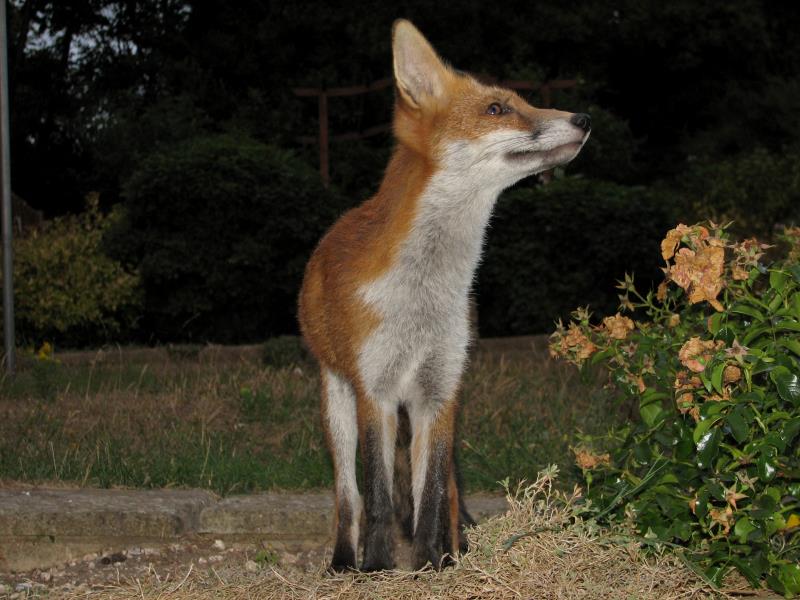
(540, 549)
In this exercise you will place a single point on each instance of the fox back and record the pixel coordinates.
(385, 300)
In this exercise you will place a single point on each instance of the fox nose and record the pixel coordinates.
(582, 120)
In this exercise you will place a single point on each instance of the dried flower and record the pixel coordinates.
(695, 350)
(722, 517)
(684, 381)
(737, 350)
(618, 327)
(586, 460)
(685, 402)
(731, 374)
(699, 273)
(672, 240)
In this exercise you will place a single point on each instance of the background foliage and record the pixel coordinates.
(552, 247)
(697, 102)
(68, 289)
(220, 229)
(713, 367)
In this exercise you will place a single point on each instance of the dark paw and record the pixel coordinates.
(344, 559)
(432, 558)
(376, 565)
(463, 543)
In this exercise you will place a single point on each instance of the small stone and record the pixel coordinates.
(135, 551)
(23, 587)
(73, 563)
(215, 558)
(219, 545)
(176, 547)
(90, 565)
(201, 561)
(111, 559)
(45, 576)
(251, 566)
(151, 551)
(4, 589)
(89, 557)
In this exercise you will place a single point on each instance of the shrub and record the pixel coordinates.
(549, 249)
(357, 167)
(284, 351)
(220, 228)
(713, 461)
(755, 191)
(66, 289)
(609, 155)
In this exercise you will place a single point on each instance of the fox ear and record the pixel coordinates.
(419, 72)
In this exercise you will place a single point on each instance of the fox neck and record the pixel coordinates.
(452, 204)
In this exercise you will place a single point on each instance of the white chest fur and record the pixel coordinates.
(422, 300)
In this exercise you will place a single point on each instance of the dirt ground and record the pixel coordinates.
(171, 563)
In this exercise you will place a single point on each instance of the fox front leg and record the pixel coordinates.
(378, 432)
(341, 428)
(434, 486)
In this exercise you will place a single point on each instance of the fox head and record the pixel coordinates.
(487, 132)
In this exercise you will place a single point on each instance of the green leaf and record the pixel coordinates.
(716, 377)
(777, 280)
(788, 325)
(602, 355)
(791, 344)
(790, 430)
(767, 464)
(707, 448)
(650, 413)
(744, 309)
(740, 429)
(748, 569)
(795, 304)
(753, 333)
(795, 271)
(763, 507)
(787, 383)
(743, 528)
(715, 323)
(702, 427)
(789, 576)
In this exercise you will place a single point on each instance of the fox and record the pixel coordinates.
(384, 303)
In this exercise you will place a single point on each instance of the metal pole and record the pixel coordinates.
(5, 191)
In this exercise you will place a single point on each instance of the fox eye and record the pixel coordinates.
(495, 109)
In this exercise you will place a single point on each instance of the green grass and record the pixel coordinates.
(235, 426)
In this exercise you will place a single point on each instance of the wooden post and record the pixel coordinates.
(546, 97)
(324, 166)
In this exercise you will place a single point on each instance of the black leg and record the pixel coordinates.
(378, 506)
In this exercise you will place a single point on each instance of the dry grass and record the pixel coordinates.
(540, 549)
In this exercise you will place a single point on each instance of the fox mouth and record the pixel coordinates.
(557, 155)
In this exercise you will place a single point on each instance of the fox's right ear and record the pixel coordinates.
(418, 70)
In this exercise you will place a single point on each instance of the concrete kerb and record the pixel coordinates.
(40, 528)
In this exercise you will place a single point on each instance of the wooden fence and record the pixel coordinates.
(324, 137)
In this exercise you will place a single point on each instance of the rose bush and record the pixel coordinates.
(711, 360)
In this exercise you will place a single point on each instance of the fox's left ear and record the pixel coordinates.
(420, 74)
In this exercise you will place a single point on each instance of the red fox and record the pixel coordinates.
(384, 303)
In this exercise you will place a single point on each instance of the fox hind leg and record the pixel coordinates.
(341, 426)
